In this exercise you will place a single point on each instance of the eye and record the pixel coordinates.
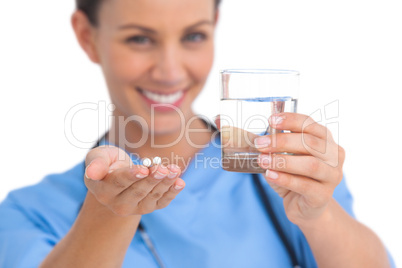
(195, 37)
(139, 39)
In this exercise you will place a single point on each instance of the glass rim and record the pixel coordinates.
(259, 71)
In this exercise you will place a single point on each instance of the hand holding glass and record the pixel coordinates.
(248, 99)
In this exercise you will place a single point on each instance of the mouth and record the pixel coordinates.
(163, 101)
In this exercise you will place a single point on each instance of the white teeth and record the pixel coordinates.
(163, 98)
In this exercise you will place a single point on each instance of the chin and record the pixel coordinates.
(167, 124)
(172, 121)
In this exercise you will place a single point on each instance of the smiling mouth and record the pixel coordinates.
(162, 98)
(173, 99)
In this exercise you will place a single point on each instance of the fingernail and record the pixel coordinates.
(264, 160)
(141, 175)
(85, 172)
(178, 187)
(173, 171)
(276, 120)
(172, 174)
(159, 175)
(271, 174)
(262, 142)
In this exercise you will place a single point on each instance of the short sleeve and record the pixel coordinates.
(22, 242)
(36, 217)
(343, 196)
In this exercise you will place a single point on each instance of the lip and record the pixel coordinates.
(161, 93)
(162, 107)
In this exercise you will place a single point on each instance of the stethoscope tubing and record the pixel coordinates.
(267, 206)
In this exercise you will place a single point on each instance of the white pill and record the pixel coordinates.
(147, 162)
(157, 160)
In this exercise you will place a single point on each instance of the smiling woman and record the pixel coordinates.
(91, 7)
(149, 196)
(163, 62)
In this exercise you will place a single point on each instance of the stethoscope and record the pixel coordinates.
(266, 203)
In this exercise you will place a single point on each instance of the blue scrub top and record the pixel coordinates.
(218, 220)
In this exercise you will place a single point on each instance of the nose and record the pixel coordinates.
(169, 68)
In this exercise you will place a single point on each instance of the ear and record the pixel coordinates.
(216, 16)
(85, 34)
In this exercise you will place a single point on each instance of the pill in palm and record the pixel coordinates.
(157, 160)
(147, 162)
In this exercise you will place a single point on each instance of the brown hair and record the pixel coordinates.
(91, 7)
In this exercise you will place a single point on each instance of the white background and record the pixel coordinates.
(346, 50)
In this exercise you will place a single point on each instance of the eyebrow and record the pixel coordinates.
(152, 31)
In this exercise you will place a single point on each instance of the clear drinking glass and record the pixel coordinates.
(248, 98)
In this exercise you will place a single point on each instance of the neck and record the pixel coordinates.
(177, 147)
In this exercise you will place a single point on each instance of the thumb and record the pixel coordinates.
(217, 120)
(104, 158)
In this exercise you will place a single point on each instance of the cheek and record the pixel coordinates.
(122, 66)
(121, 70)
(200, 63)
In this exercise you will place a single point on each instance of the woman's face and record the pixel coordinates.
(155, 56)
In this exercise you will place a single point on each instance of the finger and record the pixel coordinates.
(233, 137)
(140, 189)
(282, 192)
(99, 159)
(171, 194)
(314, 192)
(299, 123)
(308, 166)
(297, 143)
(149, 203)
(217, 121)
(115, 182)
